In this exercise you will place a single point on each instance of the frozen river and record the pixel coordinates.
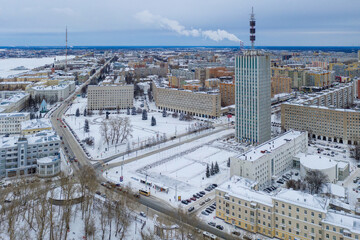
(10, 63)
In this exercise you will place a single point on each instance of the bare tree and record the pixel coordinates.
(315, 179)
(105, 131)
(126, 129)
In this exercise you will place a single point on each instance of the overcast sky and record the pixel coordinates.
(179, 23)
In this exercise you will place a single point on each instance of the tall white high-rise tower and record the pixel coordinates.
(252, 93)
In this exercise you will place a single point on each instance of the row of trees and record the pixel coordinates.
(214, 169)
(26, 212)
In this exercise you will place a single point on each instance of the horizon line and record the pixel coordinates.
(180, 46)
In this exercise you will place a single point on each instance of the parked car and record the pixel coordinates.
(202, 203)
(202, 192)
(191, 209)
(193, 199)
(184, 202)
(204, 213)
(219, 227)
(212, 224)
(142, 214)
(208, 199)
(208, 211)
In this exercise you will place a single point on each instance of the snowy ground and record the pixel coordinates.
(7, 64)
(180, 169)
(142, 134)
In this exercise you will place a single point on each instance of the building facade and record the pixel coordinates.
(227, 92)
(19, 155)
(280, 84)
(252, 97)
(202, 104)
(58, 92)
(287, 215)
(110, 97)
(331, 124)
(10, 123)
(48, 166)
(269, 160)
(13, 101)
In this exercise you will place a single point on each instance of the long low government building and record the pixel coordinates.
(326, 115)
(196, 103)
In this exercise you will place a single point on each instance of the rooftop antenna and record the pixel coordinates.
(66, 51)
(252, 28)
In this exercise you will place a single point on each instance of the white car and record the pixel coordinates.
(143, 214)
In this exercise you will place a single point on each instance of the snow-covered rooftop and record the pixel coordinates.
(10, 115)
(36, 124)
(302, 199)
(48, 159)
(41, 137)
(350, 222)
(317, 162)
(241, 188)
(257, 152)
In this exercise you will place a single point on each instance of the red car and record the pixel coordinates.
(188, 200)
(194, 199)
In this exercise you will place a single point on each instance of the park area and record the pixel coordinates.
(142, 133)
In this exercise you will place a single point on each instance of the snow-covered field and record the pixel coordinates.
(142, 134)
(180, 169)
(10, 63)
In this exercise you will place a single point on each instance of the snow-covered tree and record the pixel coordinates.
(86, 126)
(216, 168)
(207, 171)
(153, 121)
(144, 115)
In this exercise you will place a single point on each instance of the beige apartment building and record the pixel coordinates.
(323, 115)
(332, 124)
(280, 84)
(202, 104)
(110, 97)
(287, 215)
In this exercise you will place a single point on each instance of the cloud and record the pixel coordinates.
(220, 35)
(148, 18)
(64, 11)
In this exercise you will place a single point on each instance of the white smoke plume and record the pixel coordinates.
(173, 25)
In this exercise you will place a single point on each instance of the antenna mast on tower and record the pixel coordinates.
(252, 28)
(66, 51)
